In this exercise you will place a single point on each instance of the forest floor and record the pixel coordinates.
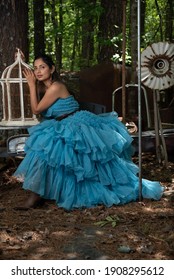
(136, 231)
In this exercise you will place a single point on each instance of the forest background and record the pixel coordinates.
(82, 33)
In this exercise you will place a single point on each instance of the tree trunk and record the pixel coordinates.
(160, 20)
(169, 36)
(134, 34)
(13, 30)
(39, 39)
(60, 37)
(112, 10)
(143, 14)
(75, 40)
(88, 26)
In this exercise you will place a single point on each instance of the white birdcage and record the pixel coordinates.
(16, 108)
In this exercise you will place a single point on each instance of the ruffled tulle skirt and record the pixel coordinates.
(83, 161)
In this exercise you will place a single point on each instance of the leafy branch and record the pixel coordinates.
(112, 220)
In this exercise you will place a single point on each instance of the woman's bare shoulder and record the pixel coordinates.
(59, 88)
(56, 85)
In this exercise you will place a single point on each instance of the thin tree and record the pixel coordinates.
(110, 25)
(169, 33)
(39, 38)
(57, 22)
(75, 40)
(133, 34)
(88, 28)
(160, 20)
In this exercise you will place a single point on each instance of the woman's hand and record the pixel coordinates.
(29, 75)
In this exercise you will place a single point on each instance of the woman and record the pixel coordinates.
(74, 157)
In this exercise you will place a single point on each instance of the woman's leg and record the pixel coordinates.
(33, 201)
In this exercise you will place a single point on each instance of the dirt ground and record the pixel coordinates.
(138, 231)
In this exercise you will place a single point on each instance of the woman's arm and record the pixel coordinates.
(54, 92)
(29, 75)
(51, 95)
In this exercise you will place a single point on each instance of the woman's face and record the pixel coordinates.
(42, 70)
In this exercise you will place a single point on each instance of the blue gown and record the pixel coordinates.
(83, 160)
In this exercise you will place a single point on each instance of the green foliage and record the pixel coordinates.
(154, 18)
(78, 13)
(111, 220)
(117, 57)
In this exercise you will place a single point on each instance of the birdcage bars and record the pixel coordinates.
(15, 108)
